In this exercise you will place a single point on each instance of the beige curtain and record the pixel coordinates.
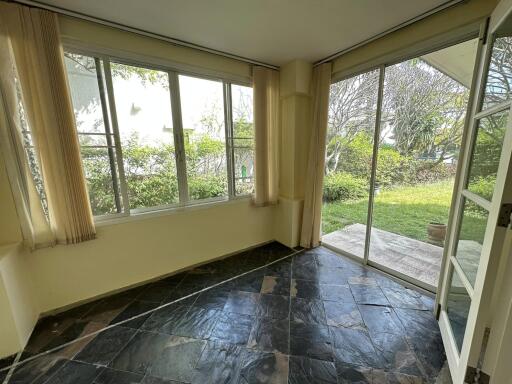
(312, 214)
(266, 126)
(37, 55)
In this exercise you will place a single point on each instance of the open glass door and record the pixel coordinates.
(480, 215)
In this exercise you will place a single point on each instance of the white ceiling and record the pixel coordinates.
(270, 31)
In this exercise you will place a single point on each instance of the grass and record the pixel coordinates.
(403, 210)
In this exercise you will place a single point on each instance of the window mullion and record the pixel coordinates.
(108, 136)
(117, 139)
(228, 124)
(179, 141)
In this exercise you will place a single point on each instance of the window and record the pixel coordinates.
(204, 133)
(152, 138)
(243, 139)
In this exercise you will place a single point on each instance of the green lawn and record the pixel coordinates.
(403, 210)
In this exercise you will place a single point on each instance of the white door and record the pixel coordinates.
(481, 215)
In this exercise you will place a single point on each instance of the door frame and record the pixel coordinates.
(482, 290)
(463, 36)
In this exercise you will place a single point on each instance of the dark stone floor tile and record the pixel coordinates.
(332, 276)
(304, 370)
(173, 279)
(49, 328)
(7, 361)
(305, 289)
(156, 292)
(368, 294)
(111, 376)
(75, 372)
(178, 359)
(164, 356)
(156, 380)
(307, 311)
(141, 351)
(197, 323)
(304, 267)
(362, 280)
(105, 346)
(354, 346)
(233, 328)
(282, 269)
(381, 319)
(37, 371)
(136, 308)
(83, 330)
(353, 374)
(107, 309)
(310, 340)
(270, 335)
(214, 298)
(199, 278)
(406, 298)
(245, 303)
(397, 354)
(274, 306)
(249, 283)
(424, 337)
(164, 319)
(219, 363)
(275, 286)
(264, 367)
(339, 293)
(342, 314)
(327, 258)
(380, 376)
(183, 295)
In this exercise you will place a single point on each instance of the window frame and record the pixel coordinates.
(104, 72)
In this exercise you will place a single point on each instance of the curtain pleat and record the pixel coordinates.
(266, 142)
(39, 61)
(312, 213)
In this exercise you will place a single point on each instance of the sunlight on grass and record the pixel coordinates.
(402, 210)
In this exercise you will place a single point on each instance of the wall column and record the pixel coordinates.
(294, 145)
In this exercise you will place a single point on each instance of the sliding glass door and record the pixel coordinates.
(394, 137)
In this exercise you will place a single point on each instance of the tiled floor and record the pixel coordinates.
(315, 317)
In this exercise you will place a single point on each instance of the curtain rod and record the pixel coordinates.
(439, 8)
(177, 42)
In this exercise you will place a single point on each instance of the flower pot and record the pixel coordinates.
(436, 233)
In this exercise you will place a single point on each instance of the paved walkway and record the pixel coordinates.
(414, 258)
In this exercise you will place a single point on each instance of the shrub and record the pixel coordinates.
(344, 186)
(206, 186)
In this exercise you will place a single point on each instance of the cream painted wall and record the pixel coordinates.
(294, 146)
(19, 310)
(129, 253)
(10, 231)
(435, 28)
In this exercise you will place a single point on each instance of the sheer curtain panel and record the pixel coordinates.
(37, 58)
(312, 214)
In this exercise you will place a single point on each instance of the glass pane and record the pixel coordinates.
(486, 154)
(457, 308)
(499, 78)
(243, 138)
(99, 165)
(143, 106)
(97, 170)
(202, 107)
(85, 93)
(349, 153)
(471, 238)
(423, 116)
(94, 140)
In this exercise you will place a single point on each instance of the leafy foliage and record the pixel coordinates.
(344, 186)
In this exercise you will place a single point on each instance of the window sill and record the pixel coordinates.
(107, 220)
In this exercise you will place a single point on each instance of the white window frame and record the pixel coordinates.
(175, 103)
